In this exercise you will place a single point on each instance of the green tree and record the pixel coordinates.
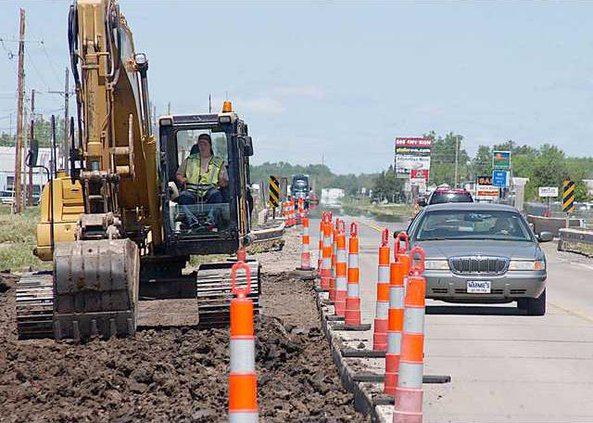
(443, 155)
(481, 165)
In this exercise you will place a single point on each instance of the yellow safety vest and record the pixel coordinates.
(199, 182)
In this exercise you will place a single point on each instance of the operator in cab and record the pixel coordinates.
(201, 175)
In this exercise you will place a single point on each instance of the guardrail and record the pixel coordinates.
(576, 241)
(551, 224)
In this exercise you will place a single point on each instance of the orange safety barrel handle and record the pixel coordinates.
(240, 292)
(417, 265)
(385, 237)
(342, 227)
(402, 236)
(353, 229)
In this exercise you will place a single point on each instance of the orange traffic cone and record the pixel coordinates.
(327, 254)
(408, 393)
(382, 308)
(305, 254)
(352, 312)
(341, 286)
(242, 379)
(396, 319)
(332, 280)
(320, 243)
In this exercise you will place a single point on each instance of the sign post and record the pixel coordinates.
(548, 193)
(412, 154)
(274, 194)
(568, 188)
(501, 162)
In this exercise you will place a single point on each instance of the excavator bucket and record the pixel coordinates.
(93, 292)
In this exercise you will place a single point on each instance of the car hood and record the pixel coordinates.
(521, 250)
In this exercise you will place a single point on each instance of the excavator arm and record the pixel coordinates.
(106, 213)
(119, 172)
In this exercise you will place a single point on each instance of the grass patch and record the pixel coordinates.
(195, 261)
(17, 240)
(378, 210)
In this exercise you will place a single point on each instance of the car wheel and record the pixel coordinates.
(537, 306)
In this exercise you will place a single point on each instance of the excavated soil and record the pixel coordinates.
(174, 374)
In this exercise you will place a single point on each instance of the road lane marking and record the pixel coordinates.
(576, 313)
(372, 225)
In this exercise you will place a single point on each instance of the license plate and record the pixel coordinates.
(478, 287)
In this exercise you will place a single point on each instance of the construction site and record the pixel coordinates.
(167, 263)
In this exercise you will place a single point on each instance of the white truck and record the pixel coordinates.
(330, 197)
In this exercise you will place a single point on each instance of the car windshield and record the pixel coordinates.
(472, 224)
(451, 197)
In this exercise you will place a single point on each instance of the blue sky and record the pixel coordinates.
(340, 80)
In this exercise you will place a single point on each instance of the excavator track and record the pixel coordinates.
(214, 292)
(35, 306)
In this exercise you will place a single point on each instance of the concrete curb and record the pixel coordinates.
(363, 402)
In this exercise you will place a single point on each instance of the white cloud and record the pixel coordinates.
(263, 105)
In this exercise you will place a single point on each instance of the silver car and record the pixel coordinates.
(481, 253)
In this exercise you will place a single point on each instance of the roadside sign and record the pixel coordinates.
(500, 178)
(274, 191)
(411, 154)
(501, 160)
(484, 180)
(487, 193)
(568, 196)
(419, 174)
(548, 191)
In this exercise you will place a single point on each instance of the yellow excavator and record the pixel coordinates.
(113, 226)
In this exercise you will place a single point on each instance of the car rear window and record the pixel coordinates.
(451, 197)
(473, 224)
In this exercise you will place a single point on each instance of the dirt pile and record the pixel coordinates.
(175, 374)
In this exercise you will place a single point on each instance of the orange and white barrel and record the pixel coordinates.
(341, 271)
(320, 243)
(382, 306)
(332, 280)
(242, 378)
(326, 263)
(409, 393)
(395, 322)
(352, 312)
(305, 253)
(401, 254)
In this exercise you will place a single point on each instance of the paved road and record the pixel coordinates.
(506, 367)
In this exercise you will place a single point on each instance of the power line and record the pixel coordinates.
(39, 74)
(51, 63)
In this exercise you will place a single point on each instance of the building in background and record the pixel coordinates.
(7, 157)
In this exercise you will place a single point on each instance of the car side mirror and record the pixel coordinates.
(33, 154)
(545, 236)
(422, 202)
(247, 146)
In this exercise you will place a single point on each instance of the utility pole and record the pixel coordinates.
(31, 137)
(456, 157)
(18, 199)
(65, 144)
(169, 108)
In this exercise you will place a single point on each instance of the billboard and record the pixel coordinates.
(412, 154)
(501, 160)
(484, 180)
(486, 193)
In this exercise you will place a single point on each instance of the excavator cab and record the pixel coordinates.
(209, 214)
